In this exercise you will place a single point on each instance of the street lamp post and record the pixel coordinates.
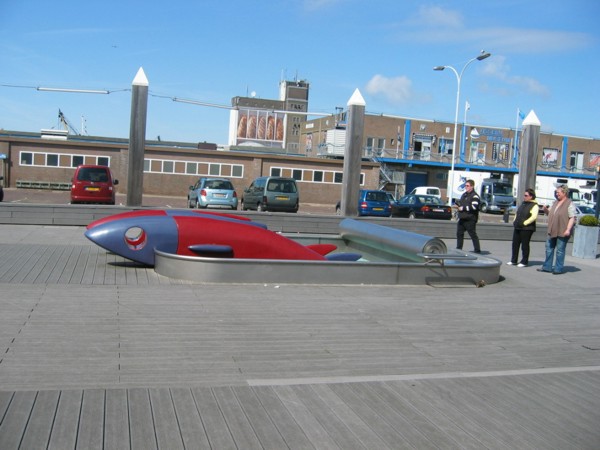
(480, 57)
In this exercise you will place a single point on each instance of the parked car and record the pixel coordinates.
(371, 203)
(93, 184)
(423, 207)
(393, 201)
(427, 190)
(583, 210)
(1, 190)
(212, 192)
(272, 194)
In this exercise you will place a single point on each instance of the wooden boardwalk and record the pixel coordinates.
(549, 411)
(98, 352)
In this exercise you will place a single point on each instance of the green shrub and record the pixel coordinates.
(588, 221)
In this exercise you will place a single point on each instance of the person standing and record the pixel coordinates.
(561, 219)
(524, 224)
(468, 215)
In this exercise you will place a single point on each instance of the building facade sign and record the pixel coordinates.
(493, 135)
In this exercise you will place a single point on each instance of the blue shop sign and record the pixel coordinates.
(493, 135)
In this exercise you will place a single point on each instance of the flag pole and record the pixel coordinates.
(516, 142)
(464, 136)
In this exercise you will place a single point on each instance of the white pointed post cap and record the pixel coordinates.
(140, 78)
(356, 99)
(531, 119)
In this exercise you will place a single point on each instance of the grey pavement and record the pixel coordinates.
(106, 354)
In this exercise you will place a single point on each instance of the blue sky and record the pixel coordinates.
(545, 58)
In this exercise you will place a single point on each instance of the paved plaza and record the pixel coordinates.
(98, 352)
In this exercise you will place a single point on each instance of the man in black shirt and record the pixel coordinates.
(468, 214)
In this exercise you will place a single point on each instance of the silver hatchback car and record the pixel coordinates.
(212, 192)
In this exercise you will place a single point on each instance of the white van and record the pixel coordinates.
(427, 190)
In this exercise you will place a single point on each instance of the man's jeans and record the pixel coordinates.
(559, 244)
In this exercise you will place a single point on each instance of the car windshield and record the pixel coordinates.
(377, 196)
(92, 174)
(281, 186)
(503, 189)
(219, 184)
(586, 210)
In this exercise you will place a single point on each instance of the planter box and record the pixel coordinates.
(585, 244)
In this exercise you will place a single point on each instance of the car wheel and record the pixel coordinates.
(411, 215)
(483, 208)
(198, 205)
(261, 208)
(338, 211)
(243, 205)
(190, 203)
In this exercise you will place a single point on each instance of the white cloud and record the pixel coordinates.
(437, 25)
(395, 91)
(498, 68)
(314, 5)
(435, 17)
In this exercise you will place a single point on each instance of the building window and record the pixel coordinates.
(193, 168)
(446, 146)
(422, 144)
(375, 145)
(52, 160)
(477, 153)
(549, 156)
(311, 176)
(237, 171)
(577, 161)
(76, 161)
(42, 159)
(26, 159)
(499, 152)
(190, 168)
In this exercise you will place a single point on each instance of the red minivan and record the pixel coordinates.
(93, 184)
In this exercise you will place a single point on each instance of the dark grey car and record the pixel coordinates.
(271, 194)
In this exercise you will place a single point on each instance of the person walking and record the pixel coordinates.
(561, 219)
(468, 215)
(524, 227)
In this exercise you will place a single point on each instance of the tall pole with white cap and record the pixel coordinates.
(352, 154)
(528, 154)
(137, 139)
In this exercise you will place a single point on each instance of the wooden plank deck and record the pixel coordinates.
(506, 413)
(98, 353)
